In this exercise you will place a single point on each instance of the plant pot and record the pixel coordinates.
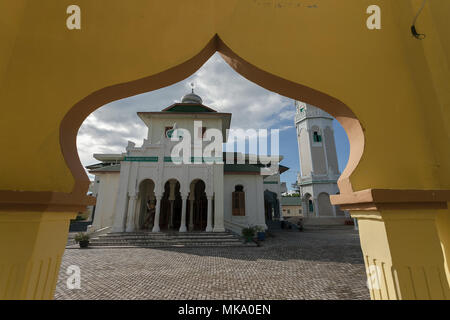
(84, 243)
(261, 236)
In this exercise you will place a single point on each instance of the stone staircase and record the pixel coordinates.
(277, 225)
(167, 240)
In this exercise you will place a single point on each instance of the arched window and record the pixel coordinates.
(317, 137)
(238, 199)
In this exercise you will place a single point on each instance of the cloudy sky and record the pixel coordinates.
(109, 128)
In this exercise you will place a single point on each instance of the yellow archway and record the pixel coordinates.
(395, 86)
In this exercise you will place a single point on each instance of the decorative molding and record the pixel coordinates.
(44, 201)
(391, 199)
(141, 159)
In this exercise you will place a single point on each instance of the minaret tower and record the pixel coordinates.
(319, 169)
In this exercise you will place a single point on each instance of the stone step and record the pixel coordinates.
(165, 245)
(167, 240)
(205, 234)
(223, 238)
(164, 241)
(165, 234)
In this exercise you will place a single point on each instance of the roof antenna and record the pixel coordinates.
(192, 85)
(414, 32)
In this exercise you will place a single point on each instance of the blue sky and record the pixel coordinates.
(109, 128)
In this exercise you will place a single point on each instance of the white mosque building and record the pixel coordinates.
(145, 189)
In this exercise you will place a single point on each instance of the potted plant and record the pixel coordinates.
(248, 233)
(260, 233)
(82, 239)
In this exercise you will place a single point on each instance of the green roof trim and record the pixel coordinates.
(270, 182)
(141, 159)
(188, 108)
(241, 168)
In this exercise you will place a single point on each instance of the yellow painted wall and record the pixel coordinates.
(398, 87)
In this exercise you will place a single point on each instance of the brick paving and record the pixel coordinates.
(315, 264)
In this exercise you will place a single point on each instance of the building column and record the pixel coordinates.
(403, 254)
(131, 213)
(171, 214)
(209, 227)
(157, 213)
(218, 199)
(316, 207)
(306, 212)
(183, 214)
(30, 254)
(281, 208)
(172, 185)
(122, 198)
(191, 214)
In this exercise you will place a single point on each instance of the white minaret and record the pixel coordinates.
(319, 169)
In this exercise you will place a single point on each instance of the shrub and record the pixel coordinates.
(82, 237)
(249, 232)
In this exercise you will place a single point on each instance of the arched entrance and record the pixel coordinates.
(271, 206)
(324, 205)
(171, 205)
(308, 205)
(147, 205)
(198, 206)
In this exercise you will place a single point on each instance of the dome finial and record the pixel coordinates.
(192, 98)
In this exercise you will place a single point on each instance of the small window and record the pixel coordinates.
(168, 132)
(317, 137)
(289, 211)
(311, 206)
(238, 198)
(201, 132)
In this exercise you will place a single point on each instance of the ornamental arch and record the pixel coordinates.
(324, 205)
(146, 204)
(51, 79)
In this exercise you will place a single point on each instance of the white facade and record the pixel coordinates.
(254, 199)
(108, 185)
(145, 189)
(274, 184)
(319, 169)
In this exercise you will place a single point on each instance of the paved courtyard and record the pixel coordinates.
(315, 264)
